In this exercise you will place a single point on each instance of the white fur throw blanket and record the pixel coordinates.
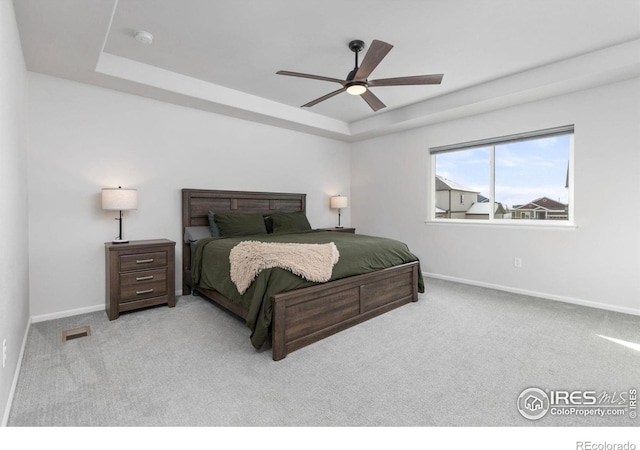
(313, 262)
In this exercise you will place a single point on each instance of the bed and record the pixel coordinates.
(305, 312)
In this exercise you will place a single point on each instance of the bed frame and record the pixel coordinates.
(303, 316)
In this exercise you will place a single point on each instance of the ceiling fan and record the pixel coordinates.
(357, 83)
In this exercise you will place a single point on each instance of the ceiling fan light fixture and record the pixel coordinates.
(357, 89)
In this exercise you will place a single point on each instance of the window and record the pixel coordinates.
(511, 178)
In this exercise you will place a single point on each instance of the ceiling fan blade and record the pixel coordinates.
(372, 100)
(375, 54)
(407, 81)
(324, 97)
(306, 75)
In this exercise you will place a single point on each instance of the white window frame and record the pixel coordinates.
(493, 142)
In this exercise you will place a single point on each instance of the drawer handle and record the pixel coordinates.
(148, 277)
(146, 291)
(144, 261)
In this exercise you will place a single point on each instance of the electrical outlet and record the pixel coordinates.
(4, 353)
(517, 262)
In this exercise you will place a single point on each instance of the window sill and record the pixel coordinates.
(510, 223)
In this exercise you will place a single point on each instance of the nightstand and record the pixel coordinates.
(340, 230)
(139, 274)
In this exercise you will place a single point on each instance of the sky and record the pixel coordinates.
(525, 170)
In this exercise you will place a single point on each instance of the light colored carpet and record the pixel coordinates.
(459, 357)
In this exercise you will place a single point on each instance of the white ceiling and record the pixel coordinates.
(222, 55)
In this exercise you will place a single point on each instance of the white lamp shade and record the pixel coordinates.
(339, 202)
(119, 199)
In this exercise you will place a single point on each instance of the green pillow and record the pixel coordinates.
(290, 222)
(212, 225)
(268, 223)
(239, 224)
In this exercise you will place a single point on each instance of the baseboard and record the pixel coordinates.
(14, 384)
(559, 298)
(75, 312)
(68, 313)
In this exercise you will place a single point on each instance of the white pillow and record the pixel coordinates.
(194, 234)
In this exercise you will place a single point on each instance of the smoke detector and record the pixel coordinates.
(144, 36)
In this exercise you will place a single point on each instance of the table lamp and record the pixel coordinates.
(338, 202)
(118, 199)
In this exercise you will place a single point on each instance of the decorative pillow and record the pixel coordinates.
(290, 222)
(194, 234)
(239, 224)
(212, 225)
(268, 223)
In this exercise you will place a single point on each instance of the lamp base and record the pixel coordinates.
(119, 241)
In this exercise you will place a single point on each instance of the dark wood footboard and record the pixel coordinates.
(307, 315)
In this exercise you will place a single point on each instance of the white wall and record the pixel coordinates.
(83, 138)
(596, 264)
(14, 285)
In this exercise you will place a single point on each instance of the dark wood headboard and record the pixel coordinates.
(196, 204)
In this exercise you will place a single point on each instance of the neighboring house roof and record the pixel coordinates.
(443, 184)
(440, 210)
(482, 198)
(543, 203)
(483, 208)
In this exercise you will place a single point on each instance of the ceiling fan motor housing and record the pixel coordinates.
(352, 74)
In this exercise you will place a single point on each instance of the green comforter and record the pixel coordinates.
(359, 254)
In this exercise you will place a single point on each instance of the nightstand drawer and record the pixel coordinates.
(145, 284)
(141, 261)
